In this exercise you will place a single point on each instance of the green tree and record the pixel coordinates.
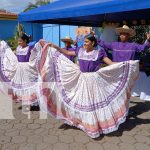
(13, 41)
(141, 32)
(37, 4)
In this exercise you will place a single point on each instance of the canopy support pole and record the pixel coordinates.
(59, 36)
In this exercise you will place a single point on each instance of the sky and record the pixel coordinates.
(15, 5)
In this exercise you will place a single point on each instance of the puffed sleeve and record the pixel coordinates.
(102, 53)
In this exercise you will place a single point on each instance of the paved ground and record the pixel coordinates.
(50, 134)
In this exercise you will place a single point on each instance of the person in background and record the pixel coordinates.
(124, 51)
(68, 46)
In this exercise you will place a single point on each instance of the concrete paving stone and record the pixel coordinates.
(131, 132)
(41, 131)
(35, 115)
(43, 146)
(141, 146)
(35, 139)
(61, 146)
(144, 133)
(19, 139)
(27, 147)
(40, 121)
(12, 132)
(109, 146)
(2, 121)
(147, 127)
(10, 146)
(146, 113)
(112, 139)
(10, 120)
(27, 121)
(51, 139)
(26, 132)
(15, 121)
(34, 126)
(144, 126)
(47, 126)
(51, 132)
(19, 126)
(81, 139)
(4, 139)
(142, 139)
(52, 120)
(66, 139)
(72, 132)
(49, 148)
(2, 132)
(143, 116)
(94, 146)
(20, 115)
(126, 146)
(77, 146)
(128, 139)
(60, 132)
(6, 126)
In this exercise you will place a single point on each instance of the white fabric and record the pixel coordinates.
(35, 52)
(142, 87)
(96, 102)
(83, 55)
(22, 51)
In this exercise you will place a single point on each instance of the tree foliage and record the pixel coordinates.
(141, 32)
(13, 41)
(37, 4)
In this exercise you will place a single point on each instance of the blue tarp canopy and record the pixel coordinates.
(90, 12)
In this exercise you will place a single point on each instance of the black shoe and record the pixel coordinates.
(20, 107)
(35, 108)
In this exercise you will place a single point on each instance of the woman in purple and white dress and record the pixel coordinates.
(91, 98)
(124, 51)
(19, 71)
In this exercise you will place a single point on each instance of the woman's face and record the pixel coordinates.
(124, 37)
(67, 44)
(22, 43)
(88, 44)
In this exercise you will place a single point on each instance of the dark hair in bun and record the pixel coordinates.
(92, 38)
(25, 37)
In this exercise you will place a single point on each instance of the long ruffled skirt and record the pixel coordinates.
(17, 79)
(96, 102)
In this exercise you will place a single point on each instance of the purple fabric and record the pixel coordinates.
(25, 58)
(72, 58)
(124, 51)
(90, 61)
